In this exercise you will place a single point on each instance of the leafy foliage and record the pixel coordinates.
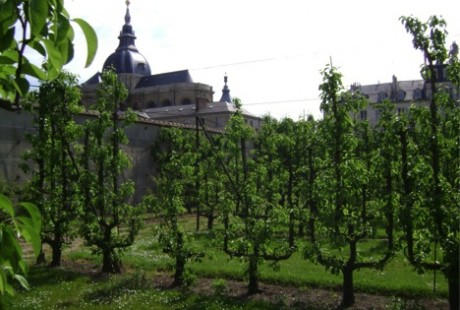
(257, 226)
(432, 143)
(44, 27)
(110, 223)
(21, 221)
(342, 188)
(54, 185)
(174, 156)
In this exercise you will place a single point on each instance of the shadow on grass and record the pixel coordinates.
(44, 275)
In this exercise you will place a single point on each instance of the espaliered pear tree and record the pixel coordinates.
(54, 184)
(175, 159)
(342, 175)
(257, 227)
(109, 222)
(432, 219)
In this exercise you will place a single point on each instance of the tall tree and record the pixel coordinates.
(174, 156)
(307, 154)
(340, 183)
(438, 129)
(211, 178)
(256, 226)
(54, 184)
(110, 223)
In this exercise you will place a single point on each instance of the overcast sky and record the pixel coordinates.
(271, 50)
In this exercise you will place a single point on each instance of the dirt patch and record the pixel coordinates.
(286, 297)
(300, 298)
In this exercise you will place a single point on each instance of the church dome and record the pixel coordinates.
(126, 58)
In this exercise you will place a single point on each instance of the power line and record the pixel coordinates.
(251, 61)
(281, 101)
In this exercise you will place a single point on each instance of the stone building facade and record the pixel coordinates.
(402, 93)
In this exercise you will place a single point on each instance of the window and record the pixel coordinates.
(165, 103)
(377, 114)
(382, 96)
(401, 95)
(186, 101)
(141, 66)
(401, 110)
(363, 115)
(151, 104)
(418, 94)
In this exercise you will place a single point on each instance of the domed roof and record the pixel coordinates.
(126, 58)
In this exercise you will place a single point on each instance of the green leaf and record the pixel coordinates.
(54, 55)
(66, 49)
(38, 12)
(8, 70)
(7, 39)
(33, 70)
(33, 212)
(91, 40)
(6, 60)
(12, 54)
(3, 281)
(21, 85)
(22, 281)
(38, 47)
(63, 28)
(6, 205)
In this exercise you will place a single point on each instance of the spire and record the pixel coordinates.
(126, 58)
(127, 16)
(127, 37)
(225, 92)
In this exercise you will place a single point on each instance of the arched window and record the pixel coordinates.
(382, 96)
(165, 103)
(186, 101)
(418, 94)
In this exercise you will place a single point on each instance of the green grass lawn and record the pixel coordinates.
(70, 289)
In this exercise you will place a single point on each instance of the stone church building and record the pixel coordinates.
(160, 100)
(170, 96)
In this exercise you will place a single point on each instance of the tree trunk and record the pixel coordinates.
(253, 286)
(180, 262)
(454, 293)
(56, 247)
(348, 297)
(210, 220)
(41, 257)
(110, 262)
(451, 273)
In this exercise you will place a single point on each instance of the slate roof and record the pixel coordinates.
(189, 110)
(182, 76)
(94, 80)
(407, 87)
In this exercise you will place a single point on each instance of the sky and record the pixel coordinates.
(271, 50)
